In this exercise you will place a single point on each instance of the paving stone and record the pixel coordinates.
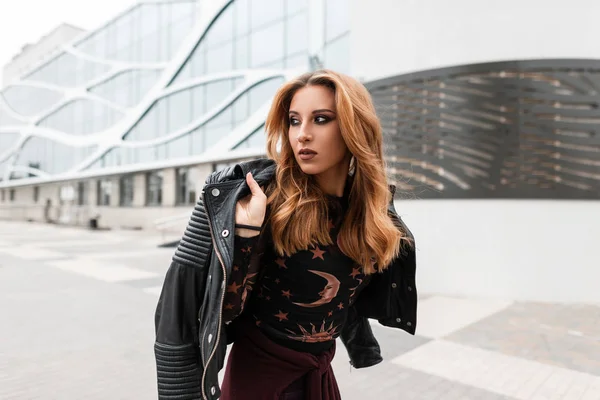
(566, 335)
(496, 372)
(67, 334)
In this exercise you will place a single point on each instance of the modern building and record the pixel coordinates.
(126, 121)
(482, 105)
(35, 53)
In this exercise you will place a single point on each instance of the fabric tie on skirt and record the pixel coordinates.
(260, 369)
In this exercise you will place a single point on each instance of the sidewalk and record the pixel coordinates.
(78, 310)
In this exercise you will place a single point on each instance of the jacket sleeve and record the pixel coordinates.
(362, 346)
(176, 347)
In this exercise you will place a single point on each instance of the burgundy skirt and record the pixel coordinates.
(296, 391)
(260, 369)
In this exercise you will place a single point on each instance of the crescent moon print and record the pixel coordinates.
(328, 293)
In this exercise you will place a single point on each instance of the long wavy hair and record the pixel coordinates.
(299, 208)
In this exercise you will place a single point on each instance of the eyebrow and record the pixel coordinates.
(314, 112)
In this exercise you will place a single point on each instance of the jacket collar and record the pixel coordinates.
(263, 170)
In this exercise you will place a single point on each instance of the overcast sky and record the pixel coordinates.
(26, 21)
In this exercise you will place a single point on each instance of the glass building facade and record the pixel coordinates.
(164, 80)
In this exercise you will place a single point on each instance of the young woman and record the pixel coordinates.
(317, 248)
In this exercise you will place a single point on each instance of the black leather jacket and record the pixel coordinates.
(191, 339)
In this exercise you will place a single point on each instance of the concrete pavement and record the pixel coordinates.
(77, 323)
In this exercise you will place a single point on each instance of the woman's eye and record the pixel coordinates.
(321, 120)
(293, 121)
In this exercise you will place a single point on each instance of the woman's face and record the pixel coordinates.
(315, 134)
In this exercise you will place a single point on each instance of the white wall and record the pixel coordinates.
(514, 249)
(391, 37)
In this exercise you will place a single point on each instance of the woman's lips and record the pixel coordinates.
(307, 156)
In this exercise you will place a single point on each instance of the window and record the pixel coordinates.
(256, 139)
(50, 157)
(12, 194)
(154, 182)
(36, 194)
(66, 193)
(3, 194)
(220, 58)
(80, 117)
(82, 193)
(127, 88)
(297, 43)
(337, 18)
(30, 100)
(261, 54)
(126, 191)
(337, 54)
(186, 188)
(104, 192)
(263, 12)
(237, 38)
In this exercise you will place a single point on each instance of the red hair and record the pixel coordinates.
(298, 207)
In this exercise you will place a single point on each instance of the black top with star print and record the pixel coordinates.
(301, 301)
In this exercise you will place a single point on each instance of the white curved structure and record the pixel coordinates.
(172, 77)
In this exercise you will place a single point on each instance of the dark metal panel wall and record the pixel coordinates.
(519, 129)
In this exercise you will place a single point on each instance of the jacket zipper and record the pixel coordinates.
(220, 311)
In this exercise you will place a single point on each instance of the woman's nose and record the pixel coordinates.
(303, 135)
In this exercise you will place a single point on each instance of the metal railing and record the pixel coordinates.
(167, 224)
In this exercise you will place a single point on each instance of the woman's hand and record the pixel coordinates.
(251, 210)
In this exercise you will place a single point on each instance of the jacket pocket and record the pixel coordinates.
(178, 372)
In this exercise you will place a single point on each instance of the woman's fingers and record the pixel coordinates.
(254, 187)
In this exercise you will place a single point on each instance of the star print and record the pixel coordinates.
(257, 323)
(229, 306)
(277, 281)
(281, 262)
(282, 316)
(330, 313)
(247, 249)
(236, 268)
(286, 293)
(318, 253)
(233, 288)
(330, 225)
(268, 298)
(341, 306)
(353, 292)
(355, 272)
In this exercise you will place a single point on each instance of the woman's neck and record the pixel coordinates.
(333, 181)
